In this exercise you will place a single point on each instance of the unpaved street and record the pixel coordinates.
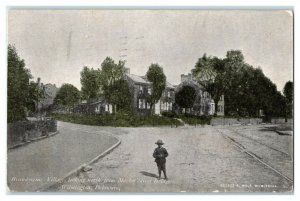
(200, 160)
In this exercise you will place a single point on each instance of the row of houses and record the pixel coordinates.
(140, 88)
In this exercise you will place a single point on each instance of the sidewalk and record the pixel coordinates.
(45, 162)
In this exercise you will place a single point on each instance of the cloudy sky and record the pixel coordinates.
(56, 44)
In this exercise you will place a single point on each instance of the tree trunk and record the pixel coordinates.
(216, 100)
(151, 109)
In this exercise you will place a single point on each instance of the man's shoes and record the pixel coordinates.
(166, 178)
(159, 178)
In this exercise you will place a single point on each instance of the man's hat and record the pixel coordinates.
(159, 142)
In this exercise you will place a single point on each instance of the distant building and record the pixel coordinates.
(94, 106)
(50, 91)
(140, 88)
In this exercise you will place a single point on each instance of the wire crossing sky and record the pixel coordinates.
(57, 44)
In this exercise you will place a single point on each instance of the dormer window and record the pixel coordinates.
(141, 89)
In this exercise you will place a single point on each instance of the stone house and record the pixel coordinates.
(140, 88)
(204, 104)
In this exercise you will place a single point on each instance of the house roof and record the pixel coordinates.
(143, 80)
(169, 85)
(138, 79)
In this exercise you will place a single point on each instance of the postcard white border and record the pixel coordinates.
(236, 4)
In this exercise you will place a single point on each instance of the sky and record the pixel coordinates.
(57, 44)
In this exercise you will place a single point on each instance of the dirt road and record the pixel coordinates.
(200, 160)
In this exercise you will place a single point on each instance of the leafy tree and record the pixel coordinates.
(22, 95)
(185, 97)
(36, 94)
(111, 79)
(210, 73)
(67, 96)
(156, 76)
(288, 92)
(121, 95)
(90, 83)
(248, 90)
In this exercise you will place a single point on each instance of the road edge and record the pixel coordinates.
(79, 169)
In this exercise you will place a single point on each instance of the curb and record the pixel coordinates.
(282, 133)
(32, 140)
(79, 169)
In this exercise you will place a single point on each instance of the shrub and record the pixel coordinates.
(121, 119)
(170, 114)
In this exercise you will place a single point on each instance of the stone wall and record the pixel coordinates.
(232, 121)
(25, 131)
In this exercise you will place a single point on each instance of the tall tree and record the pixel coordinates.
(67, 96)
(288, 92)
(20, 92)
(112, 75)
(156, 76)
(121, 96)
(185, 97)
(209, 72)
(36, 93)
(90, 83)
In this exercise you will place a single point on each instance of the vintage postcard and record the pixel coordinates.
(150, 101)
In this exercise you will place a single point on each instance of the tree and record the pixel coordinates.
(20, 92)
(121, 96)
(185, 97)
(90, 83)
(248, 90)
(210, 73)
(112, 76)
(156, 76)
(67, 96)
(288, 92)
(36, 94)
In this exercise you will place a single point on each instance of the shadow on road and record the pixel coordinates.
(148, 174)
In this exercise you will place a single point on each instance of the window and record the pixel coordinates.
(141, 89)
(140, 104)
(148, 105)
(149, 90)
(220, 108)
(169, 94)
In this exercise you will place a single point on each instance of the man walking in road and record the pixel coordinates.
(160, 154)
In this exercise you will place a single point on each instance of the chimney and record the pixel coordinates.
(127, 70)
(182, 77)
(187, 77)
